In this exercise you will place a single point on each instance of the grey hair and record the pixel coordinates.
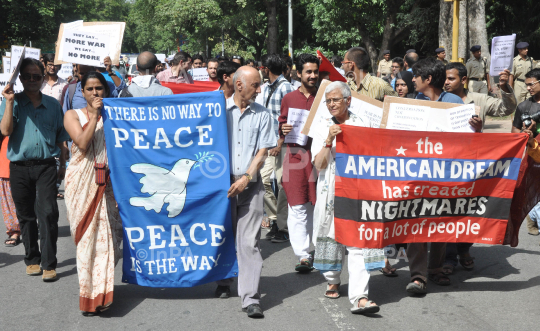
(239, 74)
(343, 87)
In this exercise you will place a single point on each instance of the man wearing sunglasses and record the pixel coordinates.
(52, 84)
(34, 123)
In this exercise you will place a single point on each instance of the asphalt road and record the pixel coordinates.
(502, 292)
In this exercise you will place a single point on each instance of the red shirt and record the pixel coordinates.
(299, 176)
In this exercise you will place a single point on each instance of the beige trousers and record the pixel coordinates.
(276, 210)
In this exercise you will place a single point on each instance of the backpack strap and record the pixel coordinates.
(125, 93)
(272, 90)
(71, 92)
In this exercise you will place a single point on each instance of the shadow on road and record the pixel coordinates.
(8, 259)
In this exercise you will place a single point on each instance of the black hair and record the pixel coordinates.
(305, 58)
(411, 59)
(222, 58)
(197, 57)
(398, 60)
(460, 67)
(430, 67)
(238, 57)
(95, 74)
(30, 61)
(212, 60)
(407, 77)
(226, 68)
(249, 61)
(336, 60)
(360, 57)
(274, 63)
(49, 57)
(180, 56)
(535, 73)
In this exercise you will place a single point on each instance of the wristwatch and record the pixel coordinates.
(325, 145)
(248, 176)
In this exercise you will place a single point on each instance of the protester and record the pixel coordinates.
(405, 86)
(197, 61)
(441, 55)
(72, 94)
(225, 72)
(478, 72)
(96, 227)
(522, 64)
(410, 59)
(287, 67)
(336, 62)
(329, 254)
(272, 95)
(52, 84)
(250, 136)
(298, 178)
(159, 67)
(385, 65)
(9, 212)
(356, 66)
(429, 78)
(178, 72)
(34, 123)
(238, 59)
(251, 63)
(212, 70)
(145, 84)
(397, 66)
(111, 74)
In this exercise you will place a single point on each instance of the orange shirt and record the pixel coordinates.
(4, 162)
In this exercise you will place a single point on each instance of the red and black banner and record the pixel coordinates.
(403, 186)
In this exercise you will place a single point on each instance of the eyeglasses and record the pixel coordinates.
(334, 100)
(236, 57)
(344, 62)
(34, 77)
(531, 84)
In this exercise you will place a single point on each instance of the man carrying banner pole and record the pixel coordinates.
(250, 136)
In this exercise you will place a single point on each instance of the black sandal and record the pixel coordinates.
(10, 240)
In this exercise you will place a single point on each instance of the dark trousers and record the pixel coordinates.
(419, 262)
(34, 193)
(453, 250)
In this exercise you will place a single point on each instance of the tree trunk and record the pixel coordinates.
(477, 26)
(445, 27)
(369, 45)
(271, 12)
(463, 50)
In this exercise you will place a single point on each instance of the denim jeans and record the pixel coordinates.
(34, 193)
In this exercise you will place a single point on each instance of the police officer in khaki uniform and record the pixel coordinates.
(441, 54)
(478, 72)
(522, 65)
(385, 65)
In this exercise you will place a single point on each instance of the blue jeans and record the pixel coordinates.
(453, 250)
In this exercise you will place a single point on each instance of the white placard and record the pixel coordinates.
(132, 60)
(6, 64)
(161, 57)
(407, 117)
(14, 75)
(200, 74)
(458, 118)
(502, 54)
(4, 80)
(73, 26)
(66, 70)
(83, 47)
(115, 31)
(16, 52)
(423, 118)
(297, 118)
(8, 54)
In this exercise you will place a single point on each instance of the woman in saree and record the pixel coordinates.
(329, 254)
(92, 211)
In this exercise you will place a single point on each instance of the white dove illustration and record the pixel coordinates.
(164, 186)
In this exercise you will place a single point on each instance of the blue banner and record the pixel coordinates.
(169, 166)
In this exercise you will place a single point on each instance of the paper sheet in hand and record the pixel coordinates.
(200, 74)
(4, 80)
(85, 48)
(502, 54)
(297, 118)
(6, 64)
(15, 72)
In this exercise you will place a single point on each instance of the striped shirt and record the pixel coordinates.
(373, 87)
(274, 103)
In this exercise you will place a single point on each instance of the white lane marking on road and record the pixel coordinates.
(336, 314)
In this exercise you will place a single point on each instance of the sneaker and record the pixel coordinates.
(273, 230)
(223, 292)
(281, 237)
(49, 276)
(33, 270)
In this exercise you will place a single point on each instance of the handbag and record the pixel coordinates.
(99, 168)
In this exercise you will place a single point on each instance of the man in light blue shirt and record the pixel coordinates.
(429, 78)
(250, 136)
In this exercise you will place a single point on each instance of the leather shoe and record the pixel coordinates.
(49, 276)
(223, 292)
(33, 270)
(254, 311)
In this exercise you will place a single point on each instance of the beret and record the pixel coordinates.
(440, 49)
(386, 52)
(476, 48)
(522, 44)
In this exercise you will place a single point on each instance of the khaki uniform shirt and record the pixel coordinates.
(385, 67)
(492, 106)
(477, 68)
(521, 67)
(443, 61)
(373, 87)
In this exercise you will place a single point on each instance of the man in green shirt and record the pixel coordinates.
(34, 123)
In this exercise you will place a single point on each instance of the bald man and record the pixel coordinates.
(145, 84)
(250, 133)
